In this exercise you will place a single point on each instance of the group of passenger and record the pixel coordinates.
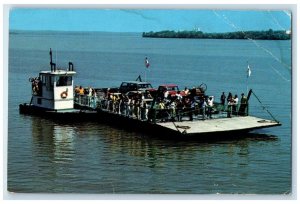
(167, 107)
(137, 105)
(232, 104)
(36, 85)
(163, 106)
(132, 104)
(86, 96)
(189, 102)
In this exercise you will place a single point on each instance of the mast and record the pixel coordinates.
(52, 65)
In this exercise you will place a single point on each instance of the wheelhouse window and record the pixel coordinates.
(48, 81)
(64, 81)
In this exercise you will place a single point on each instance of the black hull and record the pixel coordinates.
(68, 116)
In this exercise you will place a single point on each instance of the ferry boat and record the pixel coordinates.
(162, 115)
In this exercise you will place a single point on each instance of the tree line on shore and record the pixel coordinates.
(255, 35)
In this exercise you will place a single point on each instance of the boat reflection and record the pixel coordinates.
(54, 139)
(155, 152)
(105, 145)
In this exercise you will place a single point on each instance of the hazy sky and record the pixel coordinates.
(147, 20)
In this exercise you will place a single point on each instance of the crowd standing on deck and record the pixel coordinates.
(146, 105)
(86, 96)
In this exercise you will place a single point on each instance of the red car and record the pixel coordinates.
(171, 88)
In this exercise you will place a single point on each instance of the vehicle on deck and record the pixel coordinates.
(171, 88)
(127, 86)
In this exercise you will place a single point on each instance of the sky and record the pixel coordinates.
(143, 20)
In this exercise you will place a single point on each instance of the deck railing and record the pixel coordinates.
(86, 101)
(155, 114)
(218, 111)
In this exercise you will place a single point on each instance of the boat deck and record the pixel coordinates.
(219, 124)
(244, 123)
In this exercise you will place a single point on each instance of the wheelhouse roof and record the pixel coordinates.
(58, 72)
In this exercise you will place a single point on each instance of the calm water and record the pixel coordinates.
(45, 156)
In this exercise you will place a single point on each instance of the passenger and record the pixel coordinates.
(118, 104)
(142, 108)
(76, 93)
(179, 107)
(138, 108)
(107, 94)
(148, 95)
(203, 106)
(210, 103)
(197, 102)
(35, 85)
(229, 105)
(94, 93)
(173, 110)
(39, 85)
(223, 99)
(108, 98)
(90, 91)
(121, 105)
(235, 103)
(128, 106)
(94, 96)
(229, 97)
(161, 112)
(81, 94)
(147, 107)
(81, 91)
(114, 102)
(193, 92)
(191, 109)
(131, 107)
(76, 90)
(186, 91)
(166, 94)
(161, 105)
(178, 95)
(243, 106)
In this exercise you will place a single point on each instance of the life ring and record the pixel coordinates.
(64, 94)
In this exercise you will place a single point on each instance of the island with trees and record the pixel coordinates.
(255, 35)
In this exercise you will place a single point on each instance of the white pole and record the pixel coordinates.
(146, 66)
(247, 84)
(248, 75)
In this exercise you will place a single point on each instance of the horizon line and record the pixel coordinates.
(86, 31)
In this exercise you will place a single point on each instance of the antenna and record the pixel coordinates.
(52, 65)
(50, 56)
(55, 55)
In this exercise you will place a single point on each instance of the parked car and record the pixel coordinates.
(171, 88)
(127, 86)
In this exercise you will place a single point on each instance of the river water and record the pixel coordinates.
(50, 157)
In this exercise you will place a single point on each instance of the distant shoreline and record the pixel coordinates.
(255, 35)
